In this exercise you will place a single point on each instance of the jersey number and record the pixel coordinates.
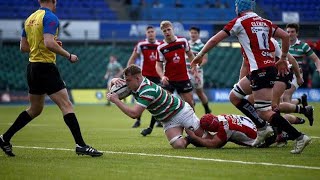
(262, 36)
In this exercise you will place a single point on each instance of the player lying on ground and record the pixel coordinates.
(228, 128)
(174, 113)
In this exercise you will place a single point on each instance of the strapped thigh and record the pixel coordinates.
(174, 139)
(237, 91)
(262, 105)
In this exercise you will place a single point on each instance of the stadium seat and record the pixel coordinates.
(20, 9)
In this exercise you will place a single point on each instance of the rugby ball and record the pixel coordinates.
(123, 91)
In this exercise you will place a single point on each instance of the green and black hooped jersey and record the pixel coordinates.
(161, 104)
(299, 50)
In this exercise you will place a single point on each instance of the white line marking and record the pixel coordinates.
(184, 157)
(315, 137)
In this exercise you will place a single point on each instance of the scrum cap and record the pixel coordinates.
(245, 5)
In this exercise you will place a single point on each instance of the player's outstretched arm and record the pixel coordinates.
(316, 61)
(214, 142)
(133, 112)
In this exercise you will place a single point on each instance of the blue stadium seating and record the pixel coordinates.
(197, 10)
(309, 11)
(68, 9)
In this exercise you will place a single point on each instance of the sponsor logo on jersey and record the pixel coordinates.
(176, 58)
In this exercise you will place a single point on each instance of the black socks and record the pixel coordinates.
(72, 122)
(152, 122)
(22, 120)
(278, 121)
(206, 108)
(247, 108)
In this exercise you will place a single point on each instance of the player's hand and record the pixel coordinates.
(118, 82)
(113, 97)
(59, 43)
(282, 67)
(165, 80)
(300, 81)
(73, 58)
(190, 133)
(195, 61)
(195, 74)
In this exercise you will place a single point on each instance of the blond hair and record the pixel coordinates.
(164, 24)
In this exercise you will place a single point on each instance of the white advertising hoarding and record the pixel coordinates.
(69, 30)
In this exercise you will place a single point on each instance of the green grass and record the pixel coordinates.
(107, 129)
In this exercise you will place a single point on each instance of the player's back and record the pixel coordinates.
(254, 34)
(161, 104)
(238, 129)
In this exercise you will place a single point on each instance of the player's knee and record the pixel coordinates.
(34, 111)
(236, 93)
(264, 109)
(178, 142)
(66, 106)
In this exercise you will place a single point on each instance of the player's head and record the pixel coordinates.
(244, 5)
(52, 4)
(133, 76)
(167, 29)
(293, 30)
(209, 122)
(194, 33)
(112, 58)
(150, 33)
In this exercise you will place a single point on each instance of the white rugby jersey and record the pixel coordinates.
(254, 34)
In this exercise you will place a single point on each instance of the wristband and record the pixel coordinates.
(69, 57)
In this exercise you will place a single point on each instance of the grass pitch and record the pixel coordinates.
(45, 150)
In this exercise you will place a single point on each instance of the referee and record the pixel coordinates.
(39, 39)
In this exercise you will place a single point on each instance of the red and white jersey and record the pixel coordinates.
(173, 56)
(149, 56)
(254, 34)
(238, 129)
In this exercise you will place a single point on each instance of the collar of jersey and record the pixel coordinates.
(297, 42)
(171, 41)
(151, 42)
(144, 78)
(198, 41)
(44, 8)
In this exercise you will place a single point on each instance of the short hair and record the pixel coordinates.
(132, 70)
(293, 25)
(149, 27)
(195, 28)
(165, 24)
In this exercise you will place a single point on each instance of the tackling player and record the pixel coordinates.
(228, 128)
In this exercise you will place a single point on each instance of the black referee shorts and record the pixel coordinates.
(44, 78)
